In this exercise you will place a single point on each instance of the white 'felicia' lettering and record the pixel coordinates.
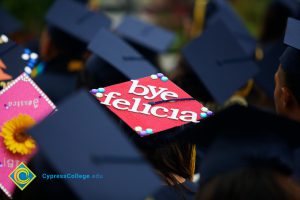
(149, 93)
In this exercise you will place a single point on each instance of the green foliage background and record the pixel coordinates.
(31, 13)
(252, 12)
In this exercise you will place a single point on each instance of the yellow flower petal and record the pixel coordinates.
(15, 139)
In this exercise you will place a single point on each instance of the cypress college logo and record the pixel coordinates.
(22, 176)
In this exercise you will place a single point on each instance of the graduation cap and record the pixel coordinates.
(14, 63)
(118, 55)
(88, 141)
(241, 137)
(75, 19)
(292, 5)
(23, 104)
(82, 1)
(147, 35)
(6, 44)
(57, 85)
(152, 107)
(290, 59)
(98, 72)
(219, 61)
(268, 67)
(224, 11)
(15, 59)
(8, 24)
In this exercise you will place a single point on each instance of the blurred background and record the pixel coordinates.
(171, 14)
(230, 63)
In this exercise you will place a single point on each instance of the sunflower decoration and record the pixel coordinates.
(15, 137)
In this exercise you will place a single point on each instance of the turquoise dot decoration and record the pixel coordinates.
(149, 131)
(164, 79)
(101, 90)
(203, 115)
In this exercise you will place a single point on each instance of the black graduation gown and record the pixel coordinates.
(184, 191)
(297, 164)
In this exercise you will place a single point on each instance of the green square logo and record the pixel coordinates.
(22, 176)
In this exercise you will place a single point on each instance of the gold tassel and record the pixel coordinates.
(259, 53)
(199, 17)
(75, 66)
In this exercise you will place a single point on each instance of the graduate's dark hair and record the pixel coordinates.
(249, 184)
(292, 81)
(173, 159)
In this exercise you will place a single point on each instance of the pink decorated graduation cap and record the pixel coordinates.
(22, 105)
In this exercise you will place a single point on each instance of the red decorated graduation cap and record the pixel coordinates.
(151, 104)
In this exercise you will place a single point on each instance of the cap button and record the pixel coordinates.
(143, 133)
(164, 78)
(138, 129)
(149, 131)
(203, 115)
(94, 91)
(99, 95)
(204, 109)
(153, 76)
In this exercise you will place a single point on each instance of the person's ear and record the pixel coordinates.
(286, 96)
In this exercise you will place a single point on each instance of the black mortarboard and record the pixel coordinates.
(98, 72)
(119, 55)
(241, 137)
(144, 34)
(15, 58)
(57, 85)
(297, 161)
(224, 11)
(6, 44)
(13, 61)
(82, 1)
(148, 39)
(290, 59)
(8, 24)
(292, 5)
(88, 141)
(268, 67)
(219, 61)
(75, 19)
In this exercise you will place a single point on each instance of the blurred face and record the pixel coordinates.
(285, 102)
(47, 51)
(43, 44)
(282, 95)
